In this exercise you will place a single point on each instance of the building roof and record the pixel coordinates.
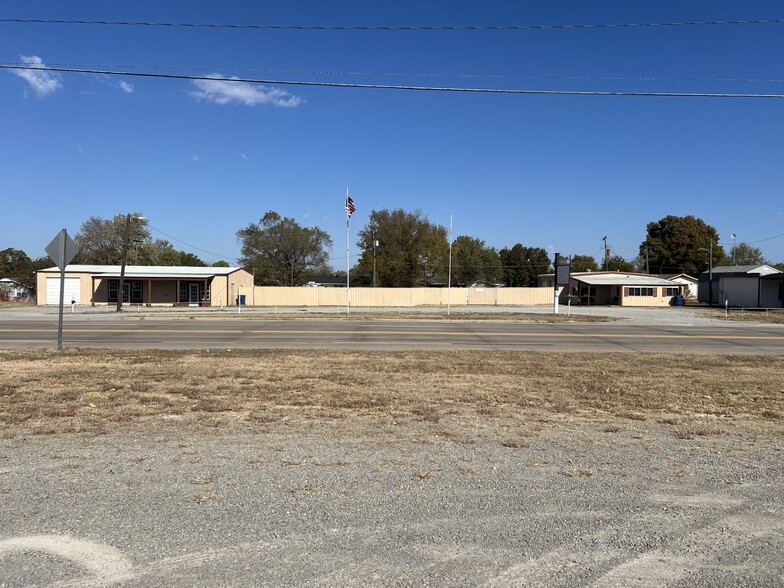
(686, 277)
(618, 279)
(621, 279)
(147, 271)
(761, 269)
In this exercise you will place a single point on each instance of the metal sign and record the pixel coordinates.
(62, 249)
(563, 274)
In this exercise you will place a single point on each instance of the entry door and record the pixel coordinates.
(126, 293)
(193, 294)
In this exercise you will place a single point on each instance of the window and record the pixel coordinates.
(672, 291)
(136, 291)
(114, 286)
(640, 291)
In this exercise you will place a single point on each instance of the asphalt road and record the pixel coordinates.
(182, 333)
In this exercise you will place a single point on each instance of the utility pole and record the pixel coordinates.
(606, 254)
(124, 260)
(124, 257)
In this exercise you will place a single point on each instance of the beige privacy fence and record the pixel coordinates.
(399, 297)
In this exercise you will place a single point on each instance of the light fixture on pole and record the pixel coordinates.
(733, 248)
(375, 244)
(124, 256)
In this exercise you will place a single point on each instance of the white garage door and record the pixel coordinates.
(72, 290)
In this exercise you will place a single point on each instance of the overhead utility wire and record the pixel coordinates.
(414, 74)
(392, 27)
(188, 244)
(396, 87)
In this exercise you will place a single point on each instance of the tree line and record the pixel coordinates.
(398, 248)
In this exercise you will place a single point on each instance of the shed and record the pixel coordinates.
(737, 285)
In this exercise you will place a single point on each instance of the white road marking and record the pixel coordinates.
(103, 563)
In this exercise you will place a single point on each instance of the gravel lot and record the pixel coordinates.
(570, 503)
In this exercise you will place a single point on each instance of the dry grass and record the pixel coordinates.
(44, 391)
(371, 314)
(766, 316)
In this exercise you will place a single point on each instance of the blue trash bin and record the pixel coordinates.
(242, 299)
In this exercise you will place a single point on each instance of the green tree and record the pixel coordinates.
(745, 254)
(281, 252)
(16, 265)
(616, 263)
(101, 240)
(522, 264)
(474, 262)
(411, 250)
(675, 245)
(221, 263)
(584, 263)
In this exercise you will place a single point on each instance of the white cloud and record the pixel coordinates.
(222, 91)
(42, 82)
(125, 87)
(245, 157)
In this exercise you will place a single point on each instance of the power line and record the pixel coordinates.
(396, 87)
(391, 27)
(189, 245)
(414, 74)
(766, 239)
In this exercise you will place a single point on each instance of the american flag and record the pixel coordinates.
(350, 208)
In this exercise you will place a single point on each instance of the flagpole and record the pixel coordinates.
(348, 258)
(449, 278)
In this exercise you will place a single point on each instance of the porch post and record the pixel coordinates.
(177, 294)
(149, 292)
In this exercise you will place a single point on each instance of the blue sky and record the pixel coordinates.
(202, 160)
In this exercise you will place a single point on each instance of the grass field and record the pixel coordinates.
(44, 391)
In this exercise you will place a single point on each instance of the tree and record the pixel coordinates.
(745, 254)
(616, 263)
(281, 252)
(101, 240)
(675, 245)
(522, 264)
(16, 265)
(584, 263)
(411, 249)
(474, 262)
(221, 263)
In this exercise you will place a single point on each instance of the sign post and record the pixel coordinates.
(61, 250)
(562, 278)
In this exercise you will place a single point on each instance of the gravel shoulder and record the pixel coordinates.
(310, 503)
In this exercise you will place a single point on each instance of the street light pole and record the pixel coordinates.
(375, 244)
(709, 251)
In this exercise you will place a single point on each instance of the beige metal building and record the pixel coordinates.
(146, 285)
